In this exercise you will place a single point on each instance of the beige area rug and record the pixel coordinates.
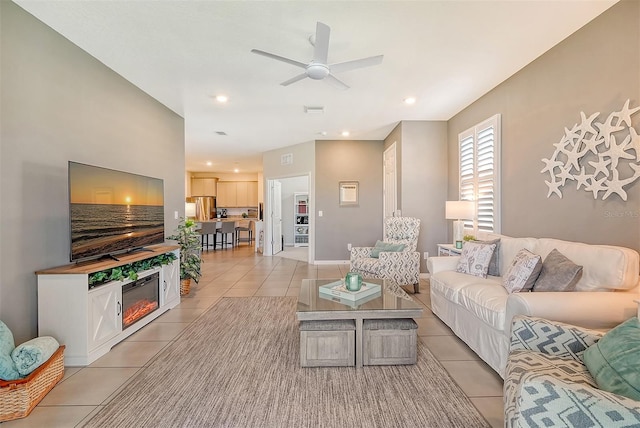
(238, 366)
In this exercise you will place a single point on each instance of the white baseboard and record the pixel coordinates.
(331, 262)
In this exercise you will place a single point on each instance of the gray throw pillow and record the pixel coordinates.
(522, 272)
(494, 263)
(475, 258)
(558, 273)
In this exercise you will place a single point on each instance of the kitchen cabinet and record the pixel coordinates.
(204, 186)
(240, 194)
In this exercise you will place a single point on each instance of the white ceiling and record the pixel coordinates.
(445, 53)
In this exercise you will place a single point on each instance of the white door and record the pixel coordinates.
(275, 202)
(390, 197)
(105, 313)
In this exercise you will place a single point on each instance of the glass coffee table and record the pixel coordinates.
(391, 302)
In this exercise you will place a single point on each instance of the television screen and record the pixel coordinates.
(113, 211)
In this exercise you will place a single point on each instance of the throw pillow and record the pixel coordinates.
(386, 247)
(475, 259)
(558, 273)
(613, 360)
(494, 263)
(8, 369)
(522, 272)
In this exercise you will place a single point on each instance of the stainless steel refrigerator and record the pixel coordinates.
(205, 207)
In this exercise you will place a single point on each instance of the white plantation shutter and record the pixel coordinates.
(480, 173)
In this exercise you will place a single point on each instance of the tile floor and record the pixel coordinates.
(239, 272)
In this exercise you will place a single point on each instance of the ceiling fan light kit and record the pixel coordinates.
(318, 69)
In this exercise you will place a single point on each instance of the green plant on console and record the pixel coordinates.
(130, 271)
(189, 240)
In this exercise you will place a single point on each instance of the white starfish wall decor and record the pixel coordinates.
(599, 156)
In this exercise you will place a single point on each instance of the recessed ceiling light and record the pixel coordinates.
(209, 163)
(345, 133)
(236, 170)
(222, 98)
(410, 100)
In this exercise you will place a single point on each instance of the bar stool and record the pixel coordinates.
(245, 226)
(207, 228)
(227, 227)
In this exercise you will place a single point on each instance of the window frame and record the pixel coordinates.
(473, 145)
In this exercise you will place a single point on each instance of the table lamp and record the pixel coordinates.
(458, 211)
(190, 210)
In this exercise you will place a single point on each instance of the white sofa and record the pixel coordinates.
(479, 310)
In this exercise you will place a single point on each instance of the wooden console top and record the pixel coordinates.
(92, 266)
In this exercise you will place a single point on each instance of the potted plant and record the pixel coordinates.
(189, 240)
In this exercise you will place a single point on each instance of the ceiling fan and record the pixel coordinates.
(318, 69)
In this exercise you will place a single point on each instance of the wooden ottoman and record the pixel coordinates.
(327, 343)
(389, 342)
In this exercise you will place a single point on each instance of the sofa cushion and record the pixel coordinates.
(613, 361)
(558, 273)
(475, 259)
(449, 283)
(487, 301)
(494, 263)
(604, 267)
(387, 247)
(523, 271)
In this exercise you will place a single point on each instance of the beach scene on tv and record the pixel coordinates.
(112, 211)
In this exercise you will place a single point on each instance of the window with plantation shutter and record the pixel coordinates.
(480, 173)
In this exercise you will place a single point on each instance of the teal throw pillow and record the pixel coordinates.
(8, 369)
(613, 361)
(386, 247)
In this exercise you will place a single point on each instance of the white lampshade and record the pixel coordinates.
(459, 210)
(190, 209)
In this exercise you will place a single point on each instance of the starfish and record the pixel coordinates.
(573, 158)
(571, 135)
(618, 151)
(615, 185)
(635, 142)
(582, 178)
(564, 175)
(624, 116)
(600, 166)
(592, 143)
(587, 124)
(595, 186)
(607, 128)
(550, 165)
(554, 187)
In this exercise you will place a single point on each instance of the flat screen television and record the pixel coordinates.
(112, 212)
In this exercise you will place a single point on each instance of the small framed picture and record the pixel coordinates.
(348, 193)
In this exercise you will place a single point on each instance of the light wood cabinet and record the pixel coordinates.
(237, 194)
(204, 186)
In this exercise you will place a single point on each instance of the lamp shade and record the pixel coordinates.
(459, 210)
(190, 209)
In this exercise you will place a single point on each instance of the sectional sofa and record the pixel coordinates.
(480, 310)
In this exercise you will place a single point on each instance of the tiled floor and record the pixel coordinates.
(240, 272)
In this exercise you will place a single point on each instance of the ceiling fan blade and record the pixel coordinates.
(321, 45)
(279, 58)
(334, 81)
(356, 63)
(294, 79)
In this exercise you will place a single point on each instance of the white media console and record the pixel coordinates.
(90, 321)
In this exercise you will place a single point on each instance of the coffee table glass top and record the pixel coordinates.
(390, 297)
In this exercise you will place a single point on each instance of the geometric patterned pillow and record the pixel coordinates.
(475, 259)
(523, 271)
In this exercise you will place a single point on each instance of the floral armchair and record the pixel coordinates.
(547, 384)
(402, 267)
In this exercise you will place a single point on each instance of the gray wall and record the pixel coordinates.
(58, 104)
(359, 225)
(424, 181)
(594, 70)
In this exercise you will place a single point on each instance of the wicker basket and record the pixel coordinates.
(19, 397)
(185, 286)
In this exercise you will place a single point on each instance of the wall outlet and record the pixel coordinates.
(175, 215)
(425, 255)
(349, 247)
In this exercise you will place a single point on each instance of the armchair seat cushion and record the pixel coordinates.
(369, 265)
